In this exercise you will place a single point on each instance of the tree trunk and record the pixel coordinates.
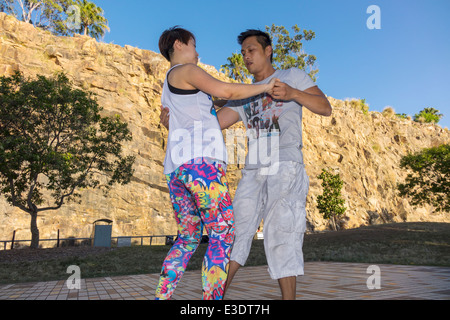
(34, 231)
(333, 223)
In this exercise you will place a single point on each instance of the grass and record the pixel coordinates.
(400, 243)
(422, 243)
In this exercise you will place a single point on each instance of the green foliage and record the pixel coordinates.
(44, 14)
(330, 203)
(236, 69)
(364, 106)
(53, 138)
(360, 105)
(93, 23)
(401, 115)
(287, 53)
(429, 180)
(288, 50)
(428, 115)
(7, 6)
(52, 15)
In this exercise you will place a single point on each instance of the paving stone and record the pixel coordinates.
(322, 281)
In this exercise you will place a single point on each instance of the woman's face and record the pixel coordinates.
(191, 52)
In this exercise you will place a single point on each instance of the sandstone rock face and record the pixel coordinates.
(365, 148)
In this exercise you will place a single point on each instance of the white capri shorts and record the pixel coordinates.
(279, 199)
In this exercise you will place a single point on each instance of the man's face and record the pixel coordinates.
(255, 57)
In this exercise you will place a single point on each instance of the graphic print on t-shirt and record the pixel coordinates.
(262, 115)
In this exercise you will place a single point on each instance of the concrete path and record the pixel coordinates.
(322, 281)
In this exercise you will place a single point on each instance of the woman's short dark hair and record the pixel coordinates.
(262, 37)
(168, 38)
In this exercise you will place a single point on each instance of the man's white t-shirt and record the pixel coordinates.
(274, 128)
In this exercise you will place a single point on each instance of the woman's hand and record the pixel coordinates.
(271, 85)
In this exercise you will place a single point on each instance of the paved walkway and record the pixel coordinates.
(322, 281)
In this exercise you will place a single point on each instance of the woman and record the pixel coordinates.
(195, 164)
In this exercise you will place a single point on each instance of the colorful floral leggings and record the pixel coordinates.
(199, 194)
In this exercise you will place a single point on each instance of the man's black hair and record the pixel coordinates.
(263, 38)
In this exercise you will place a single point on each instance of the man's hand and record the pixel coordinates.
(311, 98)
(283, 91)
(164, 117)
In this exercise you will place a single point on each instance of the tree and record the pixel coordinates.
(44, 14)
(7, 6)
(287, 53)
(93, 23)
(52, 138)
(57, 16)
(429, 181)
(428, 115)
(236, 69)
(330, 203)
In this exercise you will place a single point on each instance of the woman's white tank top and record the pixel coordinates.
(194, 131)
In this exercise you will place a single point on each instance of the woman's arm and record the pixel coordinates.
(189, 76)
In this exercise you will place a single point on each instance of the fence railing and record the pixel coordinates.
(62, 242)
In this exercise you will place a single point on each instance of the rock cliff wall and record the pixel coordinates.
(365, 147)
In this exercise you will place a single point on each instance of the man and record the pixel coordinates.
(273, 188)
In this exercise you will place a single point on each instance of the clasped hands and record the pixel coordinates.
(279, 91)
(282, 91)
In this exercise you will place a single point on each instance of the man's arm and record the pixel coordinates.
(220, 102)
(226, 116)
(311, 98)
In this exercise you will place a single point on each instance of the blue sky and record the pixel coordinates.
(405, 64)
